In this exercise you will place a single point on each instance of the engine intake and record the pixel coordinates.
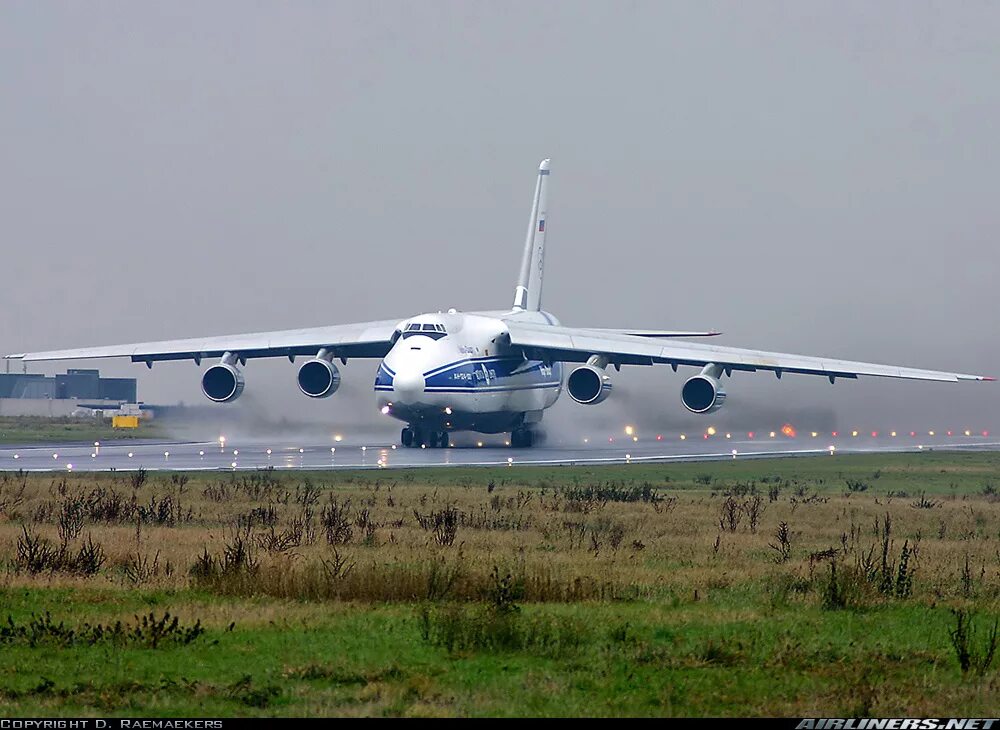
(588, 385)
(222, 383)
(318, 378)
(703, 394)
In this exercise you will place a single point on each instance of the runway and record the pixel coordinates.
(371, 453)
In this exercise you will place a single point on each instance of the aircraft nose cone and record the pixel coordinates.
(408, 385)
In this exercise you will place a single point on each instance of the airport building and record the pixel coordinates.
(32, 394)
(72, 385)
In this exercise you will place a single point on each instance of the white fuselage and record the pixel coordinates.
(454, 372)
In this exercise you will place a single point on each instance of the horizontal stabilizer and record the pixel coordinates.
(657, 333)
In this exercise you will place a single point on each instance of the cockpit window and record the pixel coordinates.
(425, 329)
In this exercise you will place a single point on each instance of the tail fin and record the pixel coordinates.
(528, 293)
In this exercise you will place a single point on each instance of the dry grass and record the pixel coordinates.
(338, 536)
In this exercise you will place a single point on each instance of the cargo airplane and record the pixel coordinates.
(491, 372)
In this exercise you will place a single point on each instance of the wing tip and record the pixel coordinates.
(988, 379)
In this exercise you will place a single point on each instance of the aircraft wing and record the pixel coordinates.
(363, 339)
(573, 344)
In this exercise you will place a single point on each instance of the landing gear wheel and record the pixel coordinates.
(521, 438)
(406, 437)
(439, 440)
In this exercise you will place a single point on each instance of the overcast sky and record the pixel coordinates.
(807, 177)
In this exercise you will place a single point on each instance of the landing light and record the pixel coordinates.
(338, 438)
(683, 437)
(510, 461)
(166, 454)
(629, 430)
(234, 464)
(815, 434)
(635, 439)
(70, 467)
(448, 410)
(17, 456)
(893, 434)
(236, 452)
(710, 430)
(268, 452)
(772, 434)
(968, 432)
(333, 449)
(930, 433)
(364, 448)
(302, 451)
(586, 441)
(200, 453)
(55, 456)
(729, 435)
(479, 444)
(130, 454)
(854, 433)
(385, 410)
(93, 455)
(97, 443)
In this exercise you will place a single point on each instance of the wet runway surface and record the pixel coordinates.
(375, 454)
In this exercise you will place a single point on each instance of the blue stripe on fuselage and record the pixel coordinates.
(509, 372)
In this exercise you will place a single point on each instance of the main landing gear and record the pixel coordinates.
(522, 438)
(414, 437)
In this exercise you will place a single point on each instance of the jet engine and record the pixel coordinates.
(318, 378)
(222, 383)
(588, 385)
(703, 393)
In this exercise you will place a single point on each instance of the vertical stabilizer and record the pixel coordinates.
(528, 294)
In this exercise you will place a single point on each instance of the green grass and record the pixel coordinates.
(716, 658)
(40, 429)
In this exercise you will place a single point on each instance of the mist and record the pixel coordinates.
(810, 178)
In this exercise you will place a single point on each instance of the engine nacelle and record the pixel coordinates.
(588, 385)
(703, 394)
(318, 378)
(222, 383)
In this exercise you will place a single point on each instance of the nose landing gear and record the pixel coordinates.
(414, 437)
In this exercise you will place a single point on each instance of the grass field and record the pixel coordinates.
(833, 586)
(40, 429)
